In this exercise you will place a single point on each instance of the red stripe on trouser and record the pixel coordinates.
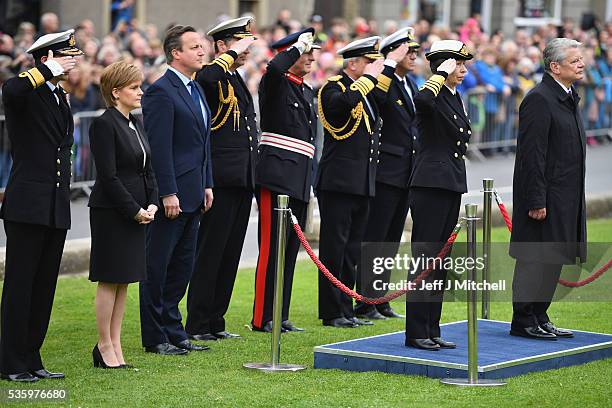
(265, 214)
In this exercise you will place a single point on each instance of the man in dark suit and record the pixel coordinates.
(36, 206)
(234, 154)
(389, 207)
(284, 165)
(437, 183)
(350, 113)
(549, 218)
(177, 121)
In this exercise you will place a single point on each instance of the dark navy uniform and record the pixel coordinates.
(36, 208)
(223, 228)
(437, 182)
(284, 166)
(389, 208)
(346, 177)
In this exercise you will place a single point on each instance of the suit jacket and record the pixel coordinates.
(234, 128)
(38, 189)
(179, 140)
(349, 160)
(399, 135)
(121, 180)
(444, 132)
(285, 110)
(549, 172)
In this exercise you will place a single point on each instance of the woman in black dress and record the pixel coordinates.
(123, 200)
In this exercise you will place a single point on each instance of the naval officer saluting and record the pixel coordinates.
(36, 206)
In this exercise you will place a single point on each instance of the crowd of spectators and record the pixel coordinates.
(504, 69)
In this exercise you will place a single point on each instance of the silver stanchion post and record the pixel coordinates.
(472, 379)
(277, 311)
(487, 188)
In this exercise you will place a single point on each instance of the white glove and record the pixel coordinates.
(448, 66)
(304, 42)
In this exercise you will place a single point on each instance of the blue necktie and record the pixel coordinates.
(195, 96)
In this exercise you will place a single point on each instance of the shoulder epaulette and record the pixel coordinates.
(434, 84)
(35, 76)
(335, 78)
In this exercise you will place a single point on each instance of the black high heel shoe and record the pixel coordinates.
(98, 361)
(127, 366)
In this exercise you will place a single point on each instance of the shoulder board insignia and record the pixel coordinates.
(335, 78)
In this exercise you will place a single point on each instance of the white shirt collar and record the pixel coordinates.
(51, 86)
(453, 91)
(186, 80)
(567, 90)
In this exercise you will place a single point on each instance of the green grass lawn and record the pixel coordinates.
(216, 377)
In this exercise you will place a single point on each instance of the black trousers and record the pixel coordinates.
(533, 288)
(388, 212)
(434, 215)
(343, 225)
(220, 240)
(33, 255)
(265, 274)
(171, 248)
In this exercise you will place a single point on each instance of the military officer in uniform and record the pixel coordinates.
(350, 114)
(284, 166)
(438, 180)
(234, 153)
(36, 206)
(389, 208)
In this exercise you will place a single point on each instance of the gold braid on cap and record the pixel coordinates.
(232, 104)
(357, 113)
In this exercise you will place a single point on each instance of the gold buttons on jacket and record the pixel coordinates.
(295, 104)
(248, 128)
(458, 142)
(57, 185)
(456, 154)
(466, 144)
(58, 161)
(469, 132)
(455, 117)
(414, 152)
(461, 130)
(58, 174)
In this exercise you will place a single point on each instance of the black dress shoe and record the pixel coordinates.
(388, 312)
(360, 322)
(42, 373)
(166, 349)
(267, 328)
(534, 332)
(372, 314)
(443, 343)
(222, 335)
(189, 346)
(423, 344)
(202, 337)
(340, 322)
(20, 377)
(551, 328)
(288, 326)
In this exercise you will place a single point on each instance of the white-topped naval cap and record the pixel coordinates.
(236, 28)
(403, 35)
(62, 43)
(364, 47)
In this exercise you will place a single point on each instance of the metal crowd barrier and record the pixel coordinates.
(495, 119)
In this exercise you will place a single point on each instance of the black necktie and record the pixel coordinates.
(63, 105)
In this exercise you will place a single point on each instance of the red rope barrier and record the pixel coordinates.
(569, 284)
(350, 292)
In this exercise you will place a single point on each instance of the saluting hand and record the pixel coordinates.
(172, 207)
(306, 39)
(67, 63)
(399, 53)
(374, 68)
(448, 66)
(538, 214)
(242, 45)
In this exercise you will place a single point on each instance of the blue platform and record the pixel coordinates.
(499, 354)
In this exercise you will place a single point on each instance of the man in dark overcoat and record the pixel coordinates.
(549, 220)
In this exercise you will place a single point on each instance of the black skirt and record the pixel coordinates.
(117, 247)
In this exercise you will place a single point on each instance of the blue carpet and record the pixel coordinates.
(499, 354)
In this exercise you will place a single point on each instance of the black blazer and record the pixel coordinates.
(38, 189)
(121, 180)
(444, 133)
(399, 134)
